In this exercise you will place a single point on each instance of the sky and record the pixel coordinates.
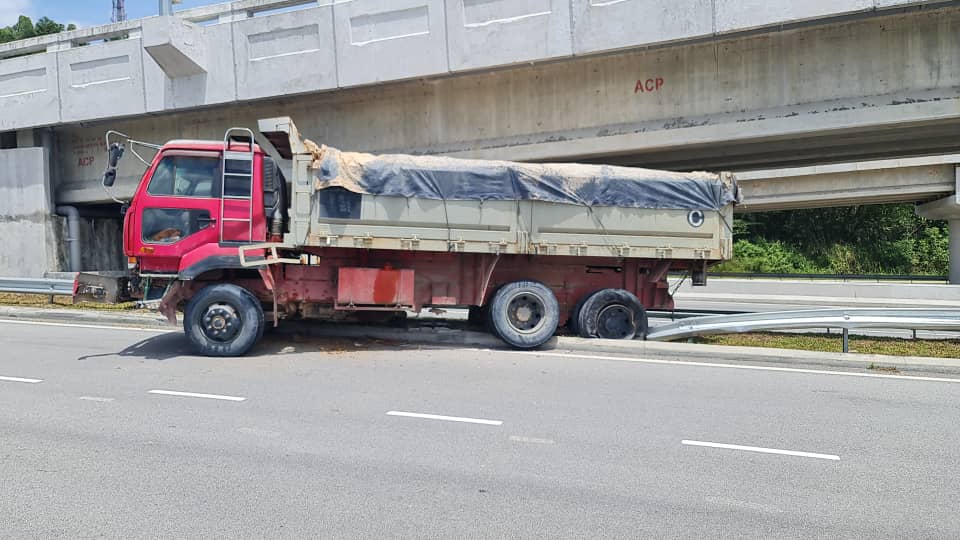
(83, 12)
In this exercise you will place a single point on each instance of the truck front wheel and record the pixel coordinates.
(223, 320)
(525, 314)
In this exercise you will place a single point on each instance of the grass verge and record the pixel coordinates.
(60, 302)
(833, 343)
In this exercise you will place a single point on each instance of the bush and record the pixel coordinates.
(932, 253)
(883, 239)
(767, 258)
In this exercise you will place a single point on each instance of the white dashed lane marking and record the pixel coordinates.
(21, 380)
(531, 440)
(761, 450)
(446, 418)
(196, 395)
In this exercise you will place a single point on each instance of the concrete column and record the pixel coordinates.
(948, 209)
(28, 242)
(954, 251)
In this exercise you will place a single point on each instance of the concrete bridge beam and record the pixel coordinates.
(848, 184)
(178, 46)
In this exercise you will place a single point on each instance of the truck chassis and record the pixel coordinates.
(523, 299)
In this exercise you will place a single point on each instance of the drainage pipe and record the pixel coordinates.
(73, 234)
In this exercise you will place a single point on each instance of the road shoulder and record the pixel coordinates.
(441, 334)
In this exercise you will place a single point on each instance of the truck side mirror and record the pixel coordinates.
(114, 153)
(109, 177)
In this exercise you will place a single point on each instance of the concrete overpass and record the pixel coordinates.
(667, 83)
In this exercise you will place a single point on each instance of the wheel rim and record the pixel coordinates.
(615, 322)
(221, 322)
(526, 312)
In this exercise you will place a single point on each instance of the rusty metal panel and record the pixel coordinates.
(365, 287)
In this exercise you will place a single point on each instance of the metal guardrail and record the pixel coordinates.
(36, 286)
(846, 319)
(689, 313)
(826, 277)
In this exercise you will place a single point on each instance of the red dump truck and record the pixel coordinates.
(239, 235)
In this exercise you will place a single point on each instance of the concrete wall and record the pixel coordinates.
(384, 40)
(29, 243)
(101, 81)
(601, 25)
(29, 92)
(500, 32)
(870, 74)
(163, 64)
(298, 45)
(735, 15)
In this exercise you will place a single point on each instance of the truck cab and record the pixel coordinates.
(198, 202)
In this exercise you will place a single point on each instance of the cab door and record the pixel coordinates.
(177, 210)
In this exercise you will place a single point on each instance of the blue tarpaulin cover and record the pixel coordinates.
(443, 178)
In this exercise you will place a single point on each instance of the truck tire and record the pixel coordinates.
(573, 325)
(612, 314)
(525, 314)
(223, 320)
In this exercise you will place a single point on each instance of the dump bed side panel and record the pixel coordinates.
(344, 213)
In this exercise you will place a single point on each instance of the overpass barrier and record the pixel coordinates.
(254, 49)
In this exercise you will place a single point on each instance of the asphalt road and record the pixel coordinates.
(324, 439)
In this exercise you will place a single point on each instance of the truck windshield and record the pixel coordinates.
(186, 176)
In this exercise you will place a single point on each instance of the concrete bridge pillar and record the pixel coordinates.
(955, 251)
(948, 209)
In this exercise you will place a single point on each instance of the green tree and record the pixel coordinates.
(881, 239)
(46, 26)
(25, 28)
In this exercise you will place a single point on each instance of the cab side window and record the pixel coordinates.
(186, 176)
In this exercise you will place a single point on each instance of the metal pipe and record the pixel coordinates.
(73, 235)
(165, 7)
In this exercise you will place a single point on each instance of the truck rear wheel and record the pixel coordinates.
(525, 314)
(612, 314)
(223, 320)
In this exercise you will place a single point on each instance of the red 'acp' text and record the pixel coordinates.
(646, 86)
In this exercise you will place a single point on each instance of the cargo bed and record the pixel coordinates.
(436, 204)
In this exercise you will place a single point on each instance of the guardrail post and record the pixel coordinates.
(846, 340)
